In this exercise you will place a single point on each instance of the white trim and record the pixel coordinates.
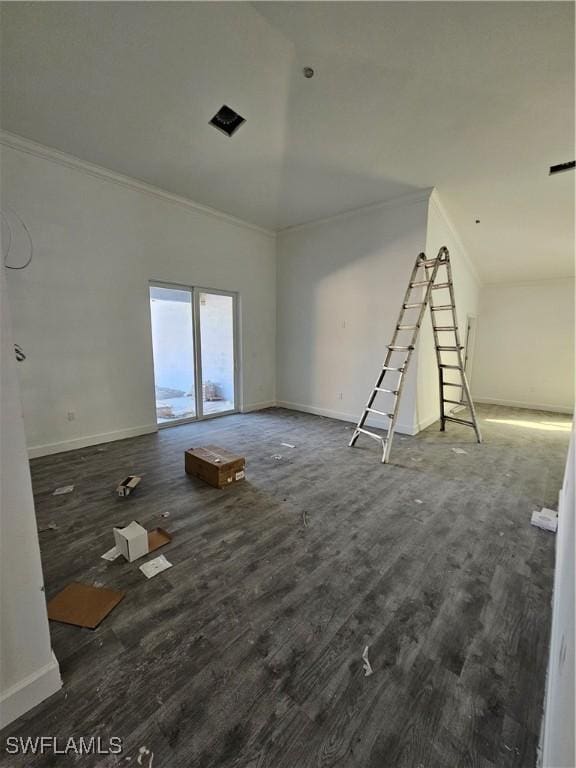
(35, 451)
(29, 692)
(21, 144)
(405, 429)
(531, 283)
(435, 201)
(525, 406)
(395, 202)
(258, 406)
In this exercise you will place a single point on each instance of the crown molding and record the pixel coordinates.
(411, 198)
(21, 144)
(435, 201)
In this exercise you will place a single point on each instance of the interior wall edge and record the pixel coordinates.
(30, 692)
(350, 418)
(35, 451)
(22, 144)
(525, 405)
(437, 203)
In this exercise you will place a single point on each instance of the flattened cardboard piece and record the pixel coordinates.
(83, 605)
(214, 465)
(157, 538)
(127, 485)
(131, 541)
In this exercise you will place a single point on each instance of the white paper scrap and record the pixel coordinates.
(418, 501)
(547, 519)
(459, 450)
(367, 667)
(63, 489)
(288, 445)
(111, 554)
(153, 567)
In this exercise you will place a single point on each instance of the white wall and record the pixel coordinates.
(28, 670)
(440, 232)
(340, 286)
(525, 346)
(81, 310)
(558, 745)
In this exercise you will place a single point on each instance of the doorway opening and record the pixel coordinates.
(194, 344)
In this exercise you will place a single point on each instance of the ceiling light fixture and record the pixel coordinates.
(227, 121)
(561, 167)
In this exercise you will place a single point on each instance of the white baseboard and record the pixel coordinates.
(405, 429)
(526, 406)
(258, 406)
(27, 693)
(35, 451)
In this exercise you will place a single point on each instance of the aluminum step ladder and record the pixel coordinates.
(426, 278)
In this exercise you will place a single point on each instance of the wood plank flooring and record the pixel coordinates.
(247, 653)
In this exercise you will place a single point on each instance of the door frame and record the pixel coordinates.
(195, 292)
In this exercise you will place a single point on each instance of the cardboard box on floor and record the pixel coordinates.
(214, 465)
(134, 541)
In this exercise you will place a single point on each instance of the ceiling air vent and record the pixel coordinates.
(227, 121)
(562, 167)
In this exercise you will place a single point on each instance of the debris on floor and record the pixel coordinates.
(418, 501)
(305, 518)
(547, 519)
(144, 751)
(131, 541)
(277, 456)
(214, 465)
(288, 445)
(111, 554)
(154, 567)
(127, 485)
(366, 666)
(459, 450)
(165, 514)
(63, 489)
(49, 527)
(83, 605)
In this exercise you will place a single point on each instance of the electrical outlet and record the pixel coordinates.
(71, 415)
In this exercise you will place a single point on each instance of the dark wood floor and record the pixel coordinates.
(247, 653)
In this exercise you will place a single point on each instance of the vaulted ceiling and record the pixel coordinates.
(474, 98)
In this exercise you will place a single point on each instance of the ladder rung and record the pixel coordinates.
(445, 328)
(388, 368)
(370, 434)
(451, 384)
(441, 307)
(460, 421)
(453, 367)
(419, 283)
(430, 262)
(454, 402)
(406, 327)
(388, 391)
(441, 285)
(448, 349)
(413, 306)
(380, 413)
(397, 348)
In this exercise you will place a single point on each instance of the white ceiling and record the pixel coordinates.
(474, 98)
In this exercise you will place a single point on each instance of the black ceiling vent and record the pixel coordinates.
(227, 121)
(562, 167)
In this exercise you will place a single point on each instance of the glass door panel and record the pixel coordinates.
(216, 313)
(173, 348)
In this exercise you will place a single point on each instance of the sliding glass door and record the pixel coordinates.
(194, 347)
